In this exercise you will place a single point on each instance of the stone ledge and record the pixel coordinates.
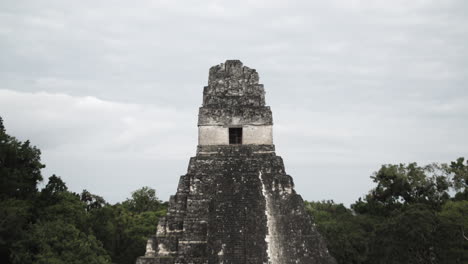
(252, 115)
(155, 260)
(235, 150)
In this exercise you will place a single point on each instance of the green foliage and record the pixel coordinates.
(13, 215)
(54, 225)
(400, 185)
(132, 232)
(54, 186)
(453, 227)
(459, 171)
(345, 233)
(64, 206)
(124, 228)
(406, 237)
(58, 242)
(20, 171)
(14, 218)
(92, 201)
(20, 167)
(409, 217)
(143, 200)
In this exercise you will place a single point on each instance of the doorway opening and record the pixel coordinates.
(235, 135)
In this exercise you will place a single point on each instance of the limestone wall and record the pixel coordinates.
(234, 98)
(213, 135)
(219, 135)
(258, 135)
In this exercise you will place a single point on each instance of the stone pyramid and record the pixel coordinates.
(236, 204)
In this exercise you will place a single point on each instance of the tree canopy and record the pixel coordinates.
(414, 214)
(54, 225)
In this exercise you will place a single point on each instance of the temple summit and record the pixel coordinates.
(236, 204)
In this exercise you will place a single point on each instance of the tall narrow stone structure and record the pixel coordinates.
(236, 204)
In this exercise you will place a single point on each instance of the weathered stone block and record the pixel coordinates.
(236, 204)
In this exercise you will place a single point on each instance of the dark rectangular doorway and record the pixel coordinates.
(235, 135)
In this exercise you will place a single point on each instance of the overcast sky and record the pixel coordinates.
(110, 90)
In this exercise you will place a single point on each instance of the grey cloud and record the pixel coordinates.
(91, 142)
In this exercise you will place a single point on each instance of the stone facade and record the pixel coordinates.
(234, 98)
(236, 204)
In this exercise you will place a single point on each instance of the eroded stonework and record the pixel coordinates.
(234, 98)
(236, 204)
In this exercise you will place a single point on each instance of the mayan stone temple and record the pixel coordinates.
(236, 204)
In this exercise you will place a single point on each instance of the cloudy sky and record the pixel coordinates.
(109, 90)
